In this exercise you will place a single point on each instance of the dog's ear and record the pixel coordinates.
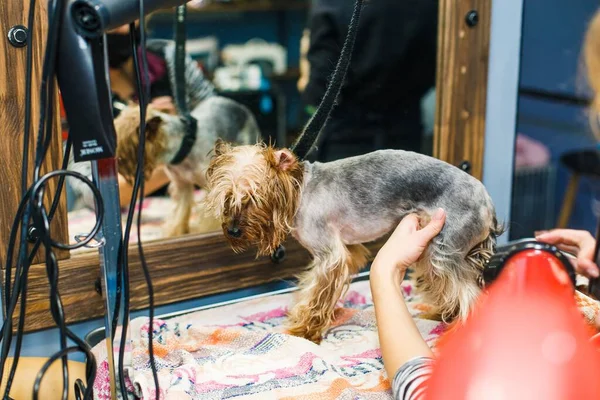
(152, 126)
(221, 147)
(284, 159)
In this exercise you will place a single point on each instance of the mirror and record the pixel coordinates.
(555, 149)
(274, 58)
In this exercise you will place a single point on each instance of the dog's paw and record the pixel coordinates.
(305, 332)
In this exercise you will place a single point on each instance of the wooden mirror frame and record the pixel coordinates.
(193, 266)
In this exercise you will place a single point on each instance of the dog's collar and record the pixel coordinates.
(191, 127)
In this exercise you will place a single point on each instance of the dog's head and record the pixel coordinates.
(254, 191)
(127, 126)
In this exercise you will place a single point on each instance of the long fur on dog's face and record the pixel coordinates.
(256, 191)
(127, 126)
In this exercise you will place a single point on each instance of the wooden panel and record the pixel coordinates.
(462, 70)
(183, 268)
(12, 108)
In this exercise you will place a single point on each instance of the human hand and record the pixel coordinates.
(406, 245)
(578, 242)
(164, 104)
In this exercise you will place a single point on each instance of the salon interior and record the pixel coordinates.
(167, 259)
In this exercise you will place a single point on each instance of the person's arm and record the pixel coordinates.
(158, 179)
(399, 337)
(406, 356)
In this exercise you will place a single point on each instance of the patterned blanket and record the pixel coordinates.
(239, 351)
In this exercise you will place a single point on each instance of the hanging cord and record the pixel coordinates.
(143, 85)
(32, 207)
(180, 81)
(317, 122)
(180, 90)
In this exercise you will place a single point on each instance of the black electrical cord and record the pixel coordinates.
(27, 120)
(145, 89)
(43, 142)
(38, 379)
(35, 193)
(24, 228)
(31, 206)
(123, 264)
(304, 143)
(53, 208)
(143, 86)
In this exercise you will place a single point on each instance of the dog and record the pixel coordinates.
(261, 194)
(215, 117)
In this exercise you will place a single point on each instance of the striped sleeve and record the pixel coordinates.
(410, 381)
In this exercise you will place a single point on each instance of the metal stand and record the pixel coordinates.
(105, 177)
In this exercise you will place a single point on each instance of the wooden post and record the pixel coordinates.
(461, 87)
(12, 109)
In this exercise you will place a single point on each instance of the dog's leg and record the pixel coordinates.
(206, 222)
(182, 194)
(321, 286)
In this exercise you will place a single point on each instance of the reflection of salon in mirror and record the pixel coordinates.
(273, 72)
(258, 66)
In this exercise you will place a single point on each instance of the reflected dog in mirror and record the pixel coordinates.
(261, 194)
(183, 148)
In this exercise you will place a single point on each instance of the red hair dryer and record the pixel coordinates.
(525, 340)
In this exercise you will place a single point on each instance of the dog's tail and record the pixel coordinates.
(311, 131)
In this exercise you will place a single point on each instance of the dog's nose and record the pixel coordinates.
(234, 231)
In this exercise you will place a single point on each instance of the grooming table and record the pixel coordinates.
(240, 350)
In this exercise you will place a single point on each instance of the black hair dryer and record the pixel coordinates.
(82, 72)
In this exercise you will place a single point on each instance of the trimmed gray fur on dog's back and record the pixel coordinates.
(387, 184)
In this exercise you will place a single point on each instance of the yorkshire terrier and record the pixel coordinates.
(167, 143)
(261, 194)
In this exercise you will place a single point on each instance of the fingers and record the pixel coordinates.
(433, 228)
(587, 267)
(570, 237)
(574, 250)
(579, 242)
(585, 258)
(409, 224)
